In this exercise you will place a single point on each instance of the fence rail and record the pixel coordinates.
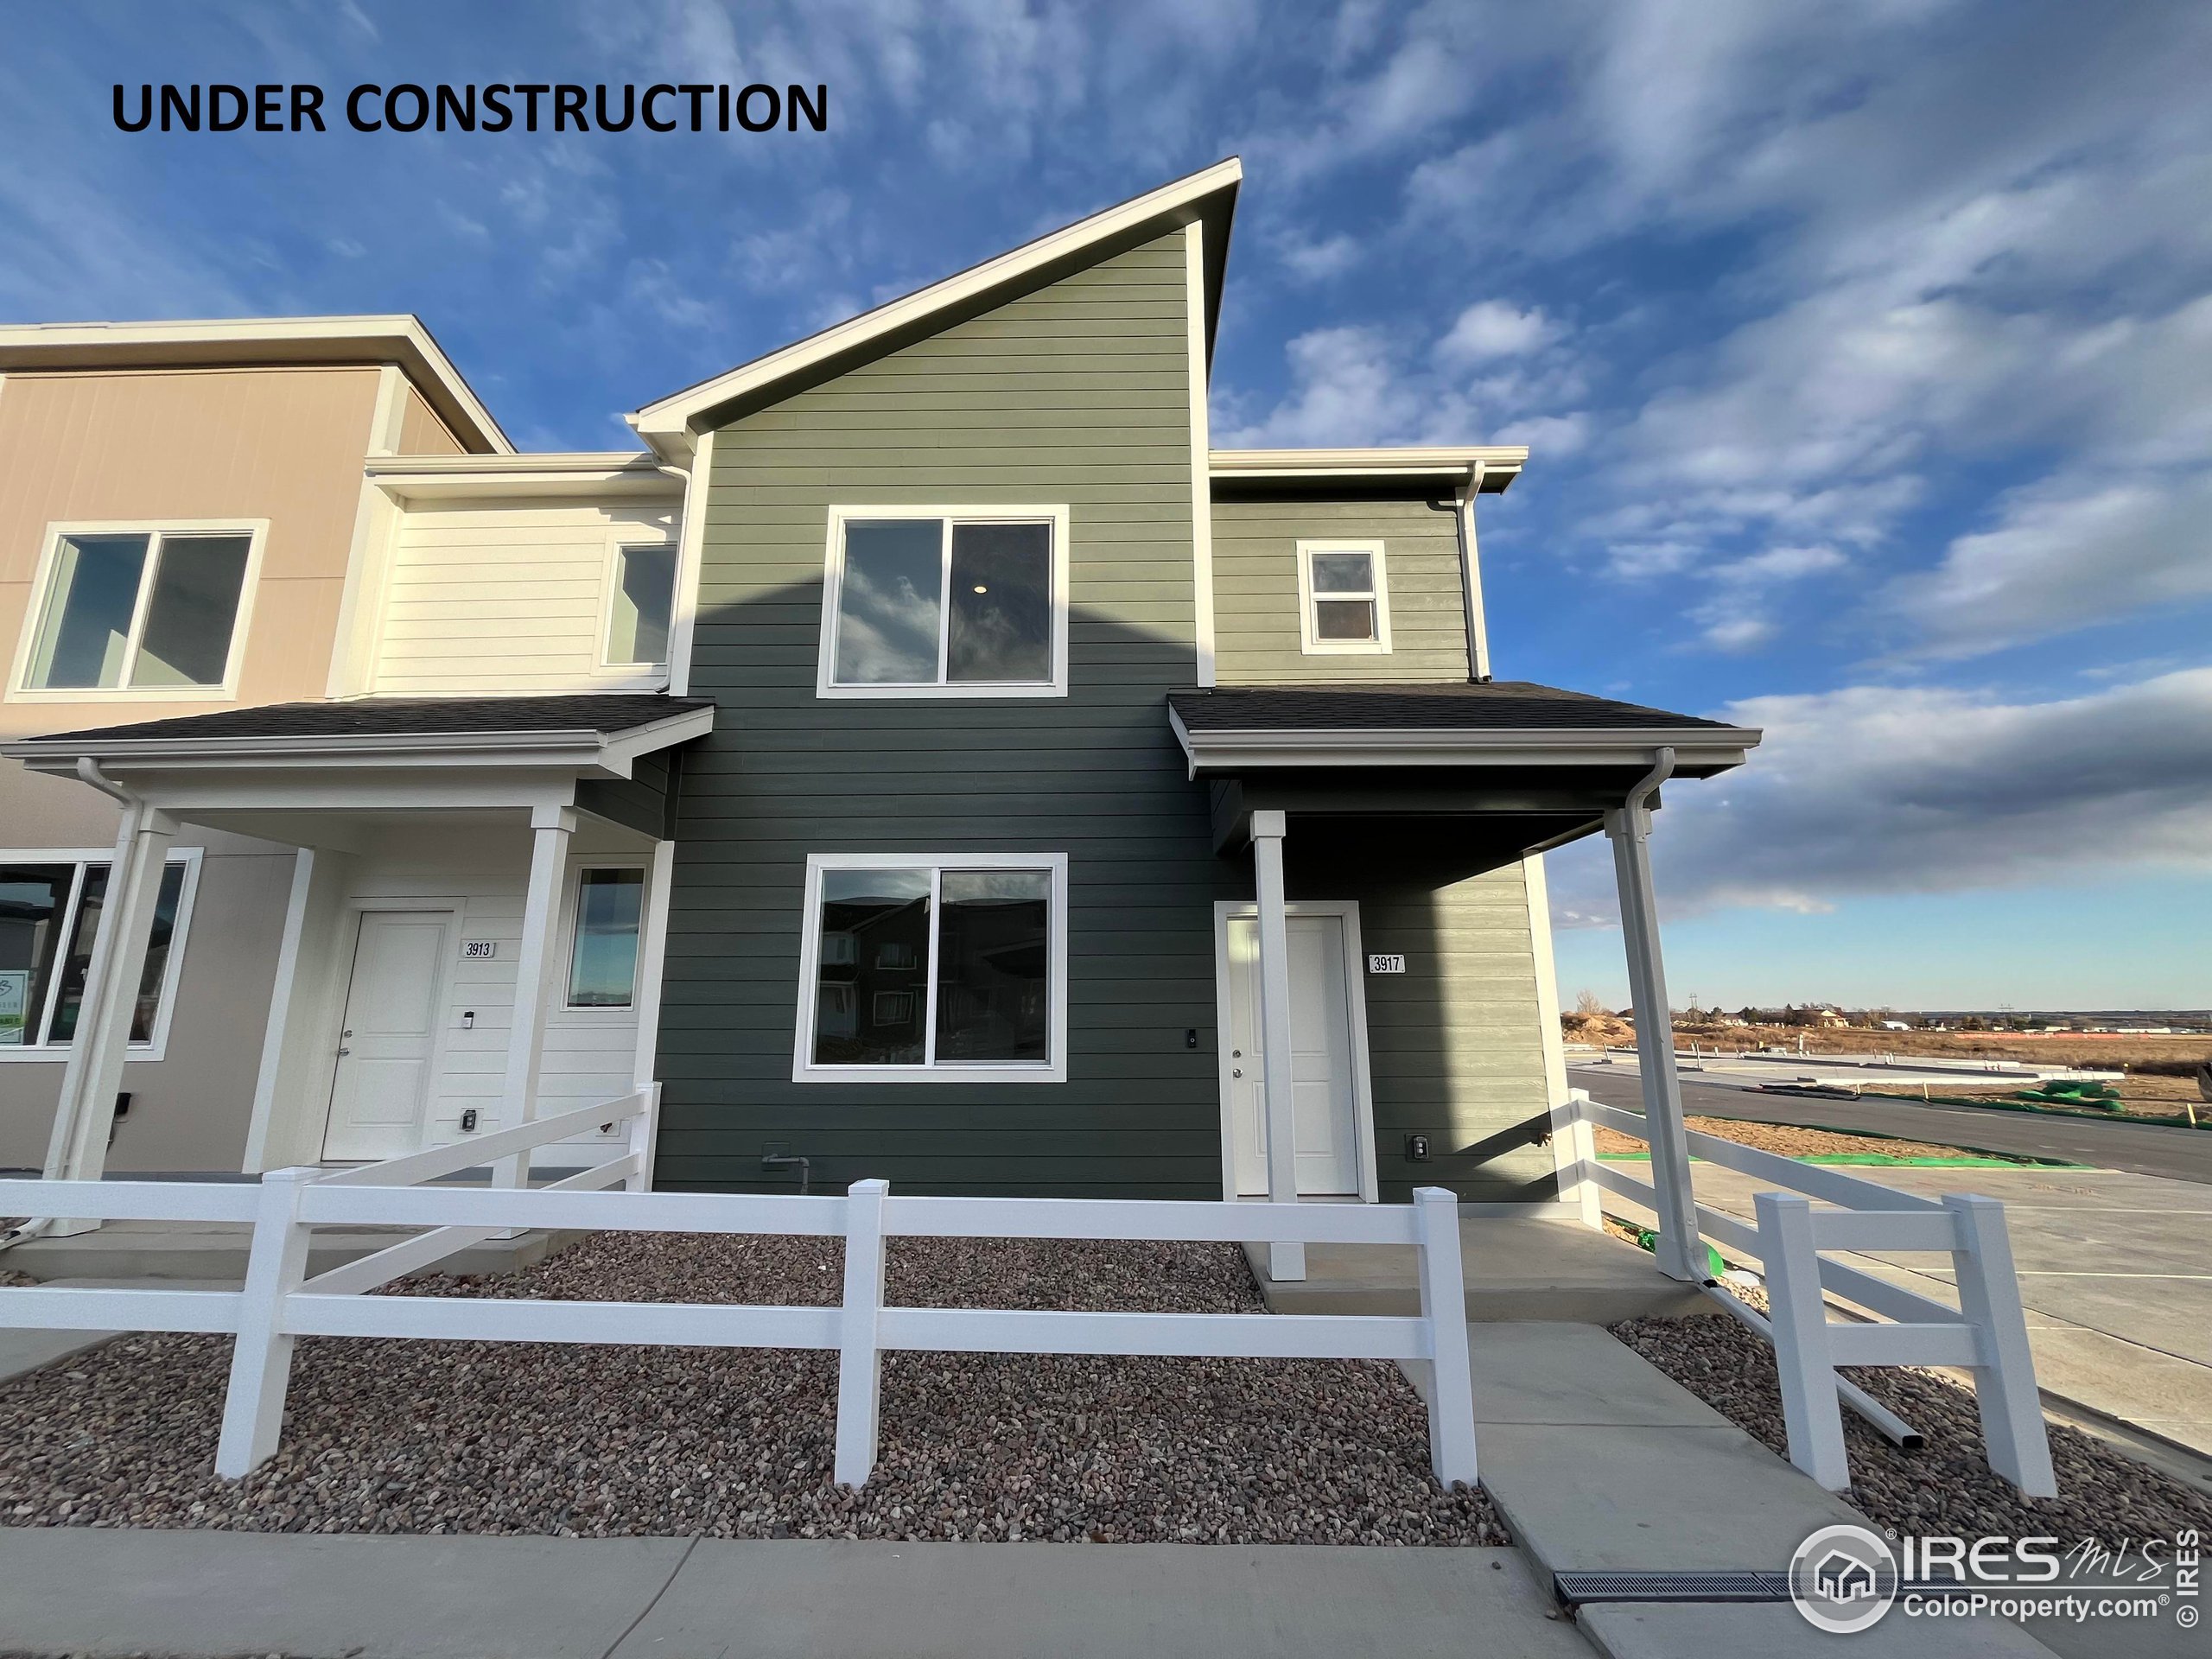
(1986, 1333)
(279, 1303)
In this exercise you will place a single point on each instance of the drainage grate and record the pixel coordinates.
(1581, 1589)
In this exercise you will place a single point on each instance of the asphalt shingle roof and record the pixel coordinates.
(1494, 705)
(604, 713)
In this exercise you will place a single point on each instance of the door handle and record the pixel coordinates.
(343, 1052)
(1235, 1071)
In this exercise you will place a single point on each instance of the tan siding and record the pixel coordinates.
(281, 445)
(1255, 591)
(422, 433)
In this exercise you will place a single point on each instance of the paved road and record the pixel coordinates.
(2141, 1148)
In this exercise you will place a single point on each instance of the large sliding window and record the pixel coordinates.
(945, 601)
(934, 968)
(50, 917)
(140, 612)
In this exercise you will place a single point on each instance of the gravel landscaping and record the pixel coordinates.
(428, 1437)
(1947, 1486)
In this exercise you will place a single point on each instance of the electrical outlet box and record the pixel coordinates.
(468, 1120)
(1417, 1148)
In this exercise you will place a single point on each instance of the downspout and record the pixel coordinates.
(1662, 768)
(134, 807)
(1470, 578)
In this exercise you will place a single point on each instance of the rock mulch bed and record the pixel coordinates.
(1945, 1487)
(428, 1437)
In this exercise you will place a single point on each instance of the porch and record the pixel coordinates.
(471, 938)
(1435, 787)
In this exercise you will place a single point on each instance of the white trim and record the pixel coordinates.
(833, 576)
(264, 1116)
(1194, 268)
(1054, 1070)
(666, 422)
(157, 1046)
(388, 415)
(1355, 1009)
(1309, 633)
(158, 531)
(1444, 746)
(619, 540)
(691, 564)
(1450, 463)
(1566, 1155)
(652, 955)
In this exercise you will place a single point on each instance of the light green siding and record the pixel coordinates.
(1255, 591)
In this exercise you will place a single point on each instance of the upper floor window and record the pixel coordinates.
(1344, 603)
(641, 594)
(946, 602)
(49, 916)
(141, 611)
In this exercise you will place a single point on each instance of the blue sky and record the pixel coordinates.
(1864, 352)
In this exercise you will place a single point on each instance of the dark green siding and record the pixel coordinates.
(1255, 591)
(1078, 394)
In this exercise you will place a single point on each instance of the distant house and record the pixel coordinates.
(1896, 1025)
(1830, 1019)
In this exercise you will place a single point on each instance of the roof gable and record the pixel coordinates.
(671, 425)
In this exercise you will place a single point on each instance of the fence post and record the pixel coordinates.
(2012, 1430)
(261, 1357)
(1572, 1121)
(1797, 1317)
(643, 1132)
(860, 1362)
(1444, 1316)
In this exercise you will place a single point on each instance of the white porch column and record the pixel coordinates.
(538, 974)
(77, 1150)
(1285, 1262)
(1680, 1253)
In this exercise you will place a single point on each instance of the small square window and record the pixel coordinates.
(641, 596)
(1344, 605)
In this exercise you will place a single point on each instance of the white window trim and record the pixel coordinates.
(833, 573)
(654, 674)
(572, 890)
(1309, 640)
(1055, 1067)
(156, 1047)
(41, 599)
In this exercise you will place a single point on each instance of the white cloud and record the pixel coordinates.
(1494, 328)
(1890, 789)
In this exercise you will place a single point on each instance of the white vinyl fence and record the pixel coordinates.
(1988, 1333)
(279, 1303)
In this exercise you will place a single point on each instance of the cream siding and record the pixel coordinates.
(509, 598)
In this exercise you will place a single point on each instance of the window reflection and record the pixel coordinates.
(993, 973)
(887, 602)
(872, 969)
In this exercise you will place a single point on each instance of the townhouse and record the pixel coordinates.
(926, 756)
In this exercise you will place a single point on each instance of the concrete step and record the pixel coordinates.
(1514, 1269)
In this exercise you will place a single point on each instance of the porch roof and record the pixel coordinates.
(1493, 722)
(386, 726)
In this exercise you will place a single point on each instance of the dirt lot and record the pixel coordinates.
(1787, 1141)
(2105, 1053)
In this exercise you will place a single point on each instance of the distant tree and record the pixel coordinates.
(1750, 1016)
(1586, 1003)
(1974, 1022)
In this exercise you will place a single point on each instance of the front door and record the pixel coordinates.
(390, 1037)
(1324, 1078)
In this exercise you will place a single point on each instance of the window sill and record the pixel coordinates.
(960, 1074)
(918, 693)
(58, 1054)
(1344, 648)
(125, 694)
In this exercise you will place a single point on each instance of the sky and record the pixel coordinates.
(1864, 353)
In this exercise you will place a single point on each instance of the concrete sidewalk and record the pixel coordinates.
(206, 1593)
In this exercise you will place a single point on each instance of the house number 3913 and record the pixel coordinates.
(479, 950)
(1378, 963)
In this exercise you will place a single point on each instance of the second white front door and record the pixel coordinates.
(1324, 1061)
(388, 1045)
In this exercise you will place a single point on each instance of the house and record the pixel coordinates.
(928, 755)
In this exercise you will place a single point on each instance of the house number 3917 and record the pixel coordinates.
(1378, 963)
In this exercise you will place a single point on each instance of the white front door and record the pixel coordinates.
(1323, 1063)
(390, 1037)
